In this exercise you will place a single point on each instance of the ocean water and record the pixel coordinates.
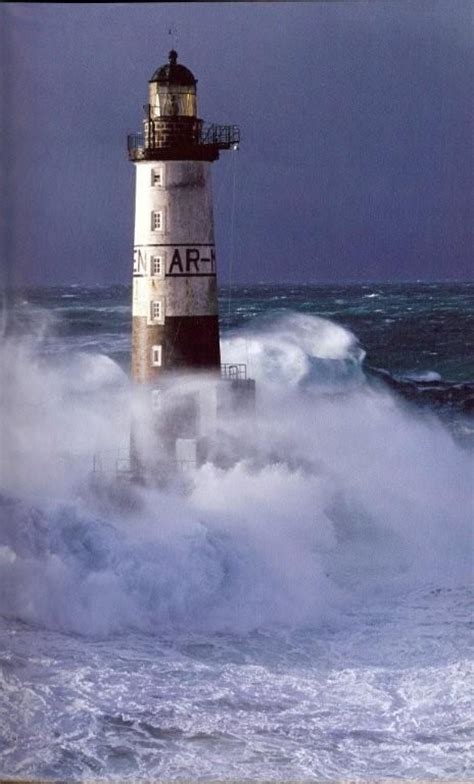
(304, 612)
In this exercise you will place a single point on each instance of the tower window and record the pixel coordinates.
(157, 177)
(157, 220)
(157, 266)
(156, 311)
(156, 356)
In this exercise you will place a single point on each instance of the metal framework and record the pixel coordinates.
(234, 372)
(203, 141)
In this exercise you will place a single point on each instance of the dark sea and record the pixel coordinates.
(304, 612)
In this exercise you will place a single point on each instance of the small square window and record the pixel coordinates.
(156, 311)
(157, 177)
(157, 220)
(156, 356)
(157, 266)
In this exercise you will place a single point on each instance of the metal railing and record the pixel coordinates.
(235, 372)
(135, 143)
(222, 136)
(121, 463)
(115, 461)
(218, 137)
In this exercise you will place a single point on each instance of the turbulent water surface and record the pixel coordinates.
(301, 609)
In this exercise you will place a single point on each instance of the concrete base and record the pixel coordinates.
(194, 423)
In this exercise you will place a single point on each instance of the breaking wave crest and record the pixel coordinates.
(332, 498)
(297, 350)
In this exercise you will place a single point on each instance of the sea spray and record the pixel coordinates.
(337, 492)
(293, 349)
(302, 612)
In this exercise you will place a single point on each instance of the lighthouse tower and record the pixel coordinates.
(175, 310)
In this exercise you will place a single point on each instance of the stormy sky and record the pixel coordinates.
(356, 119)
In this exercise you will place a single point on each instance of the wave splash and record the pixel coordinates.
(337, 498)
(297, 350)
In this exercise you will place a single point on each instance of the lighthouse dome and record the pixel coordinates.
(173, 73)
(172, 90)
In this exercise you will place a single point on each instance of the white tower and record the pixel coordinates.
(175, 310)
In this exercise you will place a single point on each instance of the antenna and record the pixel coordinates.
(173, 36)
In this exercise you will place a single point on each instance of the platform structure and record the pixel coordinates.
(185, 428)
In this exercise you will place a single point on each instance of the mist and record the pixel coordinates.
(337, 492)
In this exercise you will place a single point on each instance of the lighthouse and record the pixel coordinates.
(175, 310)
(175, 323)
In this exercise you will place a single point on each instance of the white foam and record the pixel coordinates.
(328, 500)
(294, 349)
(423, 375)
